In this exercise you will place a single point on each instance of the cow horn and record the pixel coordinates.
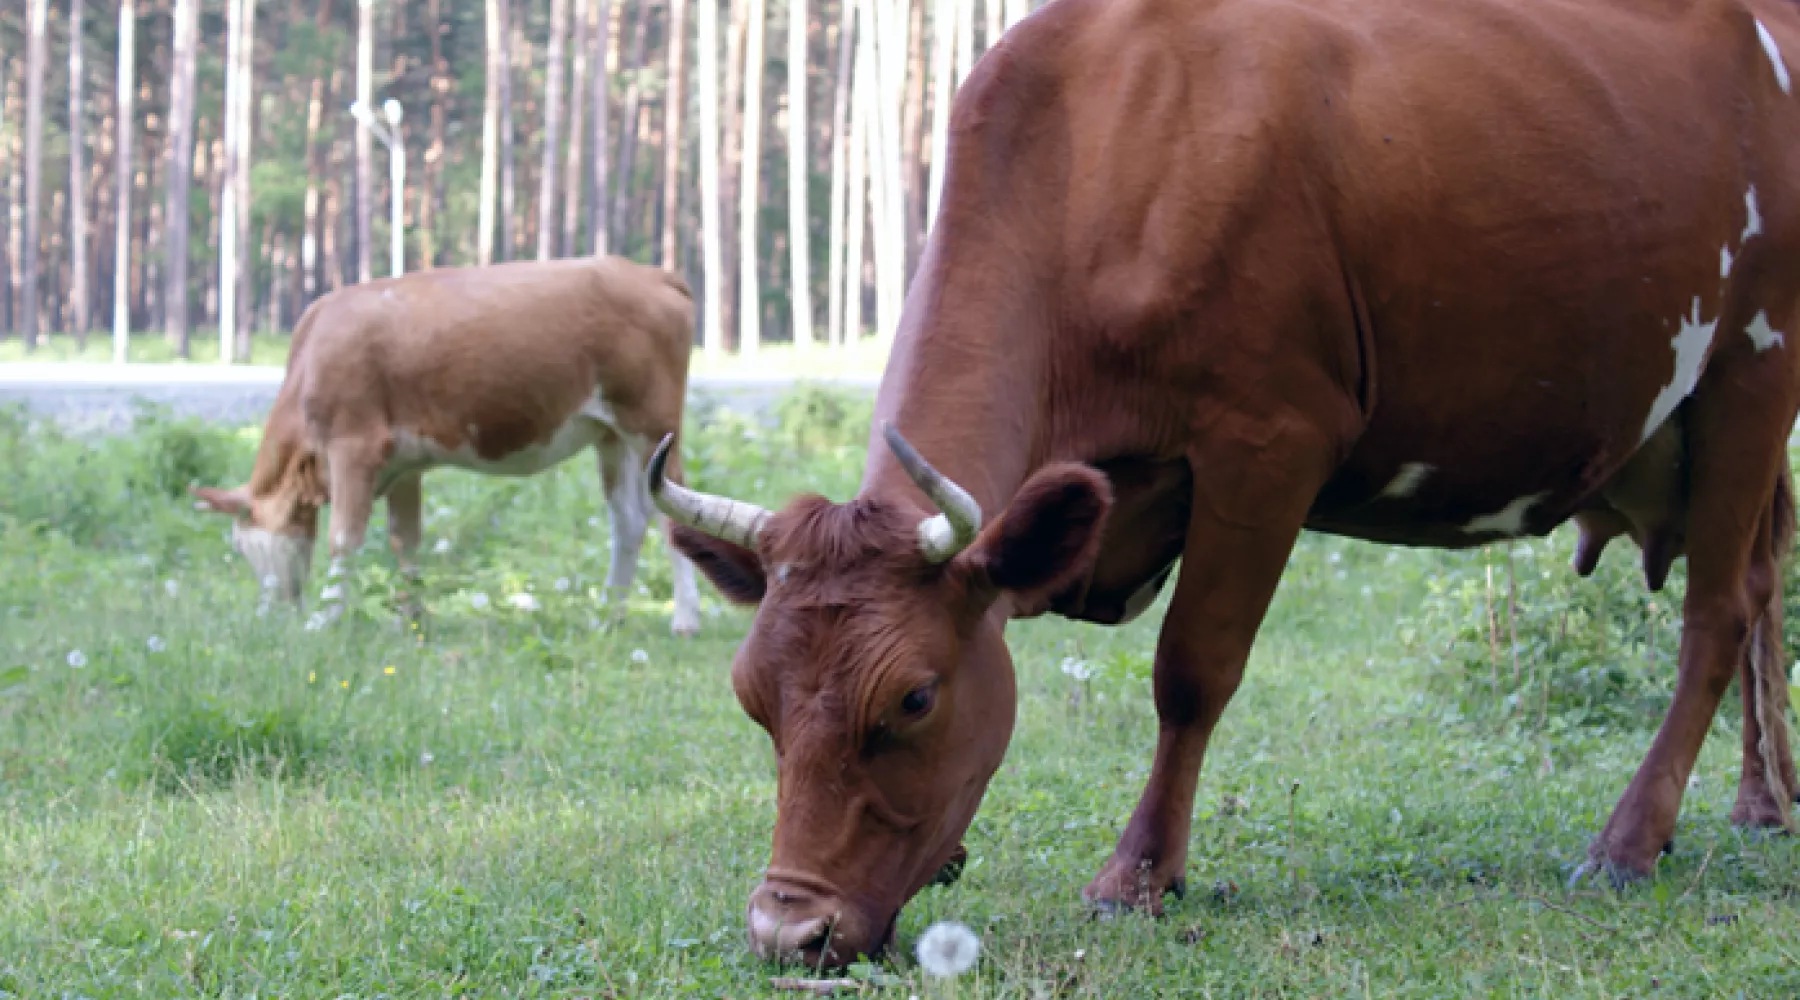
(943, 535)
(720, 517)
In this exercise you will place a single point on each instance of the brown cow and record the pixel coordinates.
(1209, 272)
(504, 370)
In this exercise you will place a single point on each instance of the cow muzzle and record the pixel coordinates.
(281, 561)
(790, 921)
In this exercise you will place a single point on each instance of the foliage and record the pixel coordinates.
(547, 803)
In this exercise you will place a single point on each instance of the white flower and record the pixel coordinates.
(426, 758)
(156, 644)
(442, 546)
(478, 600)
(1081, 670)
(171, 588)
(77, 659)
(639, 656)
(562, 584)
(948, 949)
(524, 602)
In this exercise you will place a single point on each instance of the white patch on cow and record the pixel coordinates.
(584, 427)
(1724, 262)
(1762, 334)
(1774, 53)
(1690, 346)
(1752, 216)
(1411, 476)
(1508, 521)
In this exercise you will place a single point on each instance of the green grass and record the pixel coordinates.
(863, 359)
(513, 804)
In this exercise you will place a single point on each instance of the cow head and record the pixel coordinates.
(877, 665)
(274, 534)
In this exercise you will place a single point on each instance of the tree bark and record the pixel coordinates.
(731, 169)
(749, 294)
(862, 156)
(508, 190)
(79, 300)
(991, 8)
(180, 176)
(315, 154)
(572, 159)
(799, 176)
(840, 162)
(965, 39)
(943, 46)
(240, 175)
(431, 197)
(228, 211)
(604, 58)
(712, 266)
(37, 55)
(365, 153)
(553, 85)
(490, 132)
(674, 106)
(912, 142)
(629, 121)
(122, 176)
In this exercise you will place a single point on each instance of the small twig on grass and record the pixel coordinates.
(817, 987)
(1541, 901)
(1697, 877)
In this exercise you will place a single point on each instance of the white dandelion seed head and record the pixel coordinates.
(1081, 670)
(156, 644)
(639, 656)
(426, 758)
(171, 588)
(77, 659)
(948, 949)
(442, 546)
(478, 600)
(524, 602)
(562, 584)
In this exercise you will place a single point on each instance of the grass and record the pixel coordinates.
(199, 802)
(864, 359)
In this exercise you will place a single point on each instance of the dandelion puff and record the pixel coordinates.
(948, 949)
(524, 602)
(77, 659)
(442, 546)
(1078, 669)
(478, 600)
(425, 758)
(171, 588)
(156, 644)
(639, 656)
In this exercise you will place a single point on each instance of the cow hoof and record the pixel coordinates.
(1760, 813)
(1616, 875)
(1140, 888)
(684, 630)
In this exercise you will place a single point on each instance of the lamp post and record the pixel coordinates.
(390, 137)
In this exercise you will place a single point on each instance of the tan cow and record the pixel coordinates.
(1208, 273)
(504, 370)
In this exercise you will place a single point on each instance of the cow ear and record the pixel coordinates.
(235, 502)
(1050, 534)
(735, 570)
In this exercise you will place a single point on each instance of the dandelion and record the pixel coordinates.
(1081, 670)
(442, 546)
(948, 949)
(388, 671)
(312, 676)
(478, 600)
(77, 659)
(562, 584)
(639, 656)
(171, 588)
(156, 644)
(344, 684)
(425, 758)
(524, 602)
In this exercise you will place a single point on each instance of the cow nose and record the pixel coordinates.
(792, 924)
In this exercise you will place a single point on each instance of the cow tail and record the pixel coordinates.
(1766, 651)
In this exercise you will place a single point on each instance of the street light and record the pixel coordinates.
(390, 137)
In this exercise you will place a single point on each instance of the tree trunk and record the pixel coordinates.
(840, 157)
(887, 52)
(365, 153)
(37, 55)
(749, 295)
(732, 170)
(965, 38)
(433, 193)
(943, 45)
(508, 191)
(861, 155)
(314, 153)
(606, 47)
(913, 135)
(240, 178)
(490, 131)
(629, 121)
(712, 266)
(228, 211)
(799, 176)
(79, 300)
(122, 176)
(991, 8)
(571, 180)
(553, 84)
(674, 105)
(181, 175)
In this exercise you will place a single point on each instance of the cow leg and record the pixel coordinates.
(629, 517)
(406, 525)
(1738, 424)
(354, 467)
(1251, 494)
(1767, 783)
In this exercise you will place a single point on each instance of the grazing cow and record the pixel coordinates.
(504, 370)
(1211, 272)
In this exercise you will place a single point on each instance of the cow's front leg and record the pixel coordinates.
(406, 526)
(353, 468)
(1250, 500)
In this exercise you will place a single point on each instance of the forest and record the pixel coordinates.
(199, 168)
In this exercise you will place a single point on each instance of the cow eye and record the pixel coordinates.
(918, 701)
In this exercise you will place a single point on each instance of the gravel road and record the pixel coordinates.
(98, 397)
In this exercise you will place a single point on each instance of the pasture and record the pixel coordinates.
(530, 802)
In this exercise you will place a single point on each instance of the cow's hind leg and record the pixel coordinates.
(354, 466)
(1767, 783)
(1738, 426)
(1251, 493)
(628, 517)
(406, 526)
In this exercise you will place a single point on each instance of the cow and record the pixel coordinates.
(1208, 273)
(504, 370)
